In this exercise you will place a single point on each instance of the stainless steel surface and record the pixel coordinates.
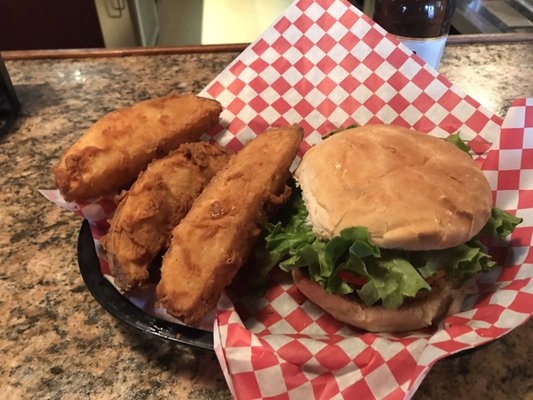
(493, 16)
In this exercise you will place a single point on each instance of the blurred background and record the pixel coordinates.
(62, 24)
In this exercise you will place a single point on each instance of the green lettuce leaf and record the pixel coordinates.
(461, 262)
(392, 281)
(500, 224)
(391, 276)
(291, 232)
(456, 140)
(293, 242)
(339, 130)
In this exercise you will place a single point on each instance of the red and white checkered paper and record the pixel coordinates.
(324, 65)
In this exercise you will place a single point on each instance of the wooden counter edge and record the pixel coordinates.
(492, 38)
(121, 52)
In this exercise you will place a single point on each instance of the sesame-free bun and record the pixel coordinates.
(412, 191)
(417, 314)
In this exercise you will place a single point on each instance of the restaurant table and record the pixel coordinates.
(57, 342)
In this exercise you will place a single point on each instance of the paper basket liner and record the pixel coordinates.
(325, 65)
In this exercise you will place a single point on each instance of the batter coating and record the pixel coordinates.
(111, 153)
(213, 241)
(155, 204)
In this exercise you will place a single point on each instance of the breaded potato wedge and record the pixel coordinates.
(110, 154)
(215, 238)
(143, 221)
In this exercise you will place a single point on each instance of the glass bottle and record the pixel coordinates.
(422, 25)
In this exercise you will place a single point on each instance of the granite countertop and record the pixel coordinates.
(56, 342)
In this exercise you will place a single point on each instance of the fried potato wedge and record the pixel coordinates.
(215, 238)
(162, 195)
(111, 153)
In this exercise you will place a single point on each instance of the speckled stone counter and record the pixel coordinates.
(56, 342)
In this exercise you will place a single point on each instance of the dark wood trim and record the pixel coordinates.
(121, 52)
(492, 38)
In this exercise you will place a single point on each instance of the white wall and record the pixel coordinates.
(216, 21)
(238, 21)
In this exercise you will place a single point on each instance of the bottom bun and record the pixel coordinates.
(416, 314)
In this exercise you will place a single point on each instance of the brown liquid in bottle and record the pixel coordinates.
(422, 25)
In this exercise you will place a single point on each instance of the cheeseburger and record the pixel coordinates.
(383, 229)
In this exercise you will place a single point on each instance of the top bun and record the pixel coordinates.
(412, 191)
